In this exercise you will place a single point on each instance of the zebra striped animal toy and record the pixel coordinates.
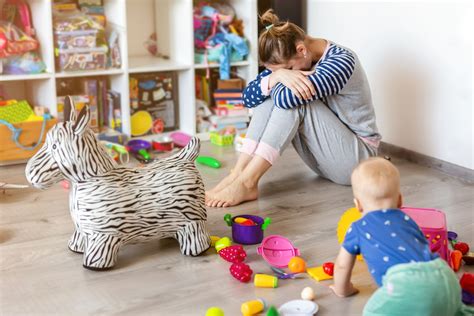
(112, 206)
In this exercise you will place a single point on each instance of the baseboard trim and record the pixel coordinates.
(463, 173)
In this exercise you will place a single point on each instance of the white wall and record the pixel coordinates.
(418, 59)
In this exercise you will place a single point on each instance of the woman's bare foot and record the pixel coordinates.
(234, 194)
(224, 183)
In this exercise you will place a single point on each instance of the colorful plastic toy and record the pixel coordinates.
(328, 268)
(240, 220)
(247, 235)
(272, 311)
(277, 251)
(213, 240)
(252, 307)
(140, 147)
(241, 272)
(467, 282)
(297, 265)
(121, 197)
(318, 273)
(350, 215)
(163, 144)
(298, 307)
(209, 161)
(180, 139)
(462, 246)
(456, 257)
(281, 274)
(222, 243)
(265, 280)
(433, 224)
(308, 294)
(233, 254)
(214, 311)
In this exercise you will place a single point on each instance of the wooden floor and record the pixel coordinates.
(40, 276)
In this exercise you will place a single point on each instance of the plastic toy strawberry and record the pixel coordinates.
(328, 268)
(462, 246)
(241, 272)
(233, 254)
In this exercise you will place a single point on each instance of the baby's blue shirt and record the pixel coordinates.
(386, 238)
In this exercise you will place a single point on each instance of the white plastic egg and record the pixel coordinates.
(308, 294)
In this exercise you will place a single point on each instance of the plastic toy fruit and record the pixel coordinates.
(467, 282)
(462, 246)
(248, 222)
(233, 254)
(297, 265)
(222, 243)
(241, 272)
(214, 311)
(456, 257)
(328, 268)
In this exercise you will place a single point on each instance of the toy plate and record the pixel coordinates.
(298, 308)
(277, 251)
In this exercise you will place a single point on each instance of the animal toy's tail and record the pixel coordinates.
(191, 151)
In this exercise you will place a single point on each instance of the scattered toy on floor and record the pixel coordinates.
(265, 280)
(297, 265)
(277, 251)
(214, 311)
(308, 294)
(318, 273)
(209, 161)
(252, 307)
(241, 272)
(298, 307)
(247, 229)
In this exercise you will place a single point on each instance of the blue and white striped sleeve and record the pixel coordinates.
(252, 94)
(329, 77)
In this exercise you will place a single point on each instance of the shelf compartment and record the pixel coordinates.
(139, 64)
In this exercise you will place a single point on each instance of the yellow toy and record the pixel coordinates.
(351, 215)
(214, 239)
(318, 274)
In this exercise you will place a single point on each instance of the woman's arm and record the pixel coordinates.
(329, 78)
(252, 94)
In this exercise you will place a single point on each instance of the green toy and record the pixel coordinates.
(209, 161)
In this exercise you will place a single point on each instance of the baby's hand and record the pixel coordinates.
(348, 291)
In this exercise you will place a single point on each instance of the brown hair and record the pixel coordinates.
(277, 43)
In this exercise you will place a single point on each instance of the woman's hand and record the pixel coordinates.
(296, 81)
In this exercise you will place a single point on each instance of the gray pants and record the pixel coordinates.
(324, 143)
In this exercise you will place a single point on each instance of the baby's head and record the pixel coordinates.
(376, 185)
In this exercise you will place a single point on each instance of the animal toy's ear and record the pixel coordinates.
(82, 121)
(69, 109)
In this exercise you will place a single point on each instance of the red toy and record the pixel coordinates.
(462, 246)
(467, 282)
(328, 268)
(241, 272)
(234, 254)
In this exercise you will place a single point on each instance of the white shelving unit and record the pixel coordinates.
(136, 20)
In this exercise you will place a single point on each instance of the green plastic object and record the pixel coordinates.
(228, 219)
(144, 154)
(267, 221)
(272, 311)
(214, 311)
(223, 243)
(209, 161)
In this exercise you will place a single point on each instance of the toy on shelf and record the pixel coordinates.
(265, 280)
(209, 161)
(277, 251)
(156, 95)
(247, 234)
(252, 307)
(298, 307)
(106, 198)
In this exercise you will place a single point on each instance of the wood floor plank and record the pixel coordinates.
(39, 276)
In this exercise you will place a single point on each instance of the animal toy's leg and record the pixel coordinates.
(76, 242)
(101, 251)
(193, 238)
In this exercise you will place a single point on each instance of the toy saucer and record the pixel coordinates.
(298, 308)
(277, 251)
(136, 144)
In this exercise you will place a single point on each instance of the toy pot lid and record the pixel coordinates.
(277, 251)
(298, 308)
(137, 144)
